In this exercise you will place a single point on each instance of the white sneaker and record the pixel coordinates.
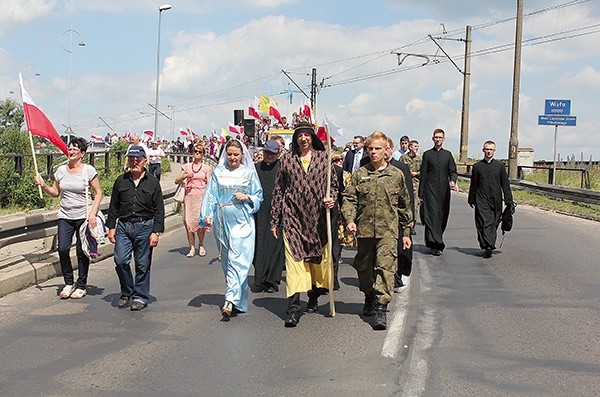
(66, 292)
(78, 294)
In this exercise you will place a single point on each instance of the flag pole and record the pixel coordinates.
(329, 237)
(35, 166)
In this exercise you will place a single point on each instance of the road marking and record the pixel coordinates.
(417, 365)
(394, 334)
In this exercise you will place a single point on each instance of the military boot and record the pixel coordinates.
(380, 320)
(368, 309)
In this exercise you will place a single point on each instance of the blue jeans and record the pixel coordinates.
(134, 238)
(66, 229)
(155, 170)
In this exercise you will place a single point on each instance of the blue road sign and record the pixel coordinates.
(569, 121)
(558, 107)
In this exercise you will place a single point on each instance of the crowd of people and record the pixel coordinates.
(269, 211)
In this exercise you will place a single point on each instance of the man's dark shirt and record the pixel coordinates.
(143, 202)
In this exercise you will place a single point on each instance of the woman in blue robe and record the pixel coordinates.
(233, 195)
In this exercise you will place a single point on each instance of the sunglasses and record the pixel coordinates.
(199, 151)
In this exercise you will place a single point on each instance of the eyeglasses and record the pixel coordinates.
(199, 151)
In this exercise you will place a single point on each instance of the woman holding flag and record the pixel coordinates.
(70, 183)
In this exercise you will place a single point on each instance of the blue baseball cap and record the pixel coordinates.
(136, 151)
(271, 146)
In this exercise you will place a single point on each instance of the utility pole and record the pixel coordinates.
(464, 125)
(464, 128)
(513, 148)
(313, 93)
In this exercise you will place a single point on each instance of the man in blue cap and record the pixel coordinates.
(136, 218)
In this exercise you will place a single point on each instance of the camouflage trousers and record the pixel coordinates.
(376, 263)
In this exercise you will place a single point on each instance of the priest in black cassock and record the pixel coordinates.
(438, 176)
(269, 258)
(489, 182)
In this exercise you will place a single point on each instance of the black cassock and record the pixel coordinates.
(404, 255)
(489, 182)
(269, 258)
(437, 170)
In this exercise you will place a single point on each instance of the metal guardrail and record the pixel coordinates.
(41, 224)
(559, 192)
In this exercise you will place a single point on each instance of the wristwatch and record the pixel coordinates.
(157, 233)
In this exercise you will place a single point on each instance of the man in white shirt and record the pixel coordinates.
(155, 155)
(404, 141)
(353, 157)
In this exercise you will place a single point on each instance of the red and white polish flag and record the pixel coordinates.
(37, 122)
(273, 111)
(252, 109)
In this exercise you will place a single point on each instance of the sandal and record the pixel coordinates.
(79, 293)
(191, 253)
(201, 251)
(67, 291)
(226, 310)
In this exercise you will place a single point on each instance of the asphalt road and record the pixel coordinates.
(525, 323)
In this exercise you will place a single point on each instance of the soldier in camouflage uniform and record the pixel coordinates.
(414, 163)
(376, 204)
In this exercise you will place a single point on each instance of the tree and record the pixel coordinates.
(17, 189)
(12, 140)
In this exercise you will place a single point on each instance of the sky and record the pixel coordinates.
(215, 56)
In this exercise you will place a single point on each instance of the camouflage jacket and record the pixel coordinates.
(378, 202)
(414, 163)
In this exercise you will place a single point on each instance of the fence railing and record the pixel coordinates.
(41, 224)
(103, 161)
(585, 182)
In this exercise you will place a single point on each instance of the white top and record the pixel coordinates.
(72, 191)
(358, 155)
(155, 155)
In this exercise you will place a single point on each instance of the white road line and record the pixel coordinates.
(396, 326)
(417, 366)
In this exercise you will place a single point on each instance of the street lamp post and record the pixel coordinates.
(164, 7)
(69, 50)
(25, 67)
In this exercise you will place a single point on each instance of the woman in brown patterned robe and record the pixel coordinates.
(298, 216)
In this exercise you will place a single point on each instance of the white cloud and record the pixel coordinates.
(587, 77)
(18, 12)
(267, 3)
(217, 60)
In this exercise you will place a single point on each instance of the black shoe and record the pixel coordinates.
(138, 305)
(292, 320)
(368, 309)
(488, 253)
(313, 305)
(398, 286)
(270, 289)
(436, 252)
(123, 302)
(380, 320)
